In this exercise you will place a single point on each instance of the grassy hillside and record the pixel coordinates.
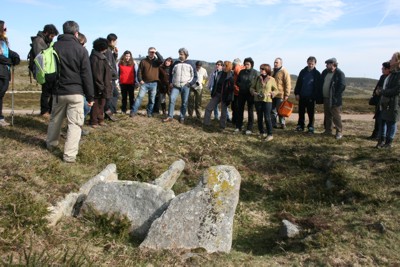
(344, 194)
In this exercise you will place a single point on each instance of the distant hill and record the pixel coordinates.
(356, 87)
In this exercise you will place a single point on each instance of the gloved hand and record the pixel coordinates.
(14, 58)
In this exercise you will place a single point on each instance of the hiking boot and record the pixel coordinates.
(299, 128)
(338, 136)
(310, 130)
(4, 123)
(283, 126)
(388, 143)
(327, 133)
(46, 115)
(94, 126)
(381, 143)
(236, 131)
(182, 120)
(168, 119)
(110, 116)
(269, 138)
(263, 135)
(103, 124)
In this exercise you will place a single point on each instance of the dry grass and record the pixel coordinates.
(284, 179)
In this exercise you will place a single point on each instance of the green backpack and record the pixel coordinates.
(47, 66)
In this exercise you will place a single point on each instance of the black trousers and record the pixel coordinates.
(242, 100)
(306, 104)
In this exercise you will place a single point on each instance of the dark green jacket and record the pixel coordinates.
(390, 99)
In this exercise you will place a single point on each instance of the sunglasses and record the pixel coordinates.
(263, 69)
(5, 29)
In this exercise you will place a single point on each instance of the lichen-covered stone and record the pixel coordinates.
(200, 218)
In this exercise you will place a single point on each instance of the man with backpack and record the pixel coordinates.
(74, 82)
(41, 42)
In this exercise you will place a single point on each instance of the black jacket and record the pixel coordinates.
(390, 99)
(336, 88)
(75, 73)
(316, 83)
(245, 79)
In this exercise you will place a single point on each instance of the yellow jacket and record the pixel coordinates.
(268, 90)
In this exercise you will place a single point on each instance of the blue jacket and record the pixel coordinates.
(316, 83)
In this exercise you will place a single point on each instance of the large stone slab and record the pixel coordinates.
(141, 203)
(169, 177)
(200, 218)
(68, 207)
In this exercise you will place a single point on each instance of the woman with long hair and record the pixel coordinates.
(127, 79)
(8, 58)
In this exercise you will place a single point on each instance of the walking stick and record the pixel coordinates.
(12, 95)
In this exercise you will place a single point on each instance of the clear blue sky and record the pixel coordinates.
(360, 34)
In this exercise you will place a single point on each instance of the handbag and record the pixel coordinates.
(374, 100)
(285, 109)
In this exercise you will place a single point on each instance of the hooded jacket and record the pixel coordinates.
(39, 43)
(76, 73)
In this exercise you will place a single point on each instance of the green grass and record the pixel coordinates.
(284, 179)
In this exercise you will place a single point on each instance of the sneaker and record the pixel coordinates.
(299, 129)
(310, 130)
(327, 133)
(94, 126)
(103, 124)
(236, 131)
(132, 115)
(168, 119)
(338, 136)
(4, 123)
(69, 160)
(263, 135)
(269, 138)
(46, 115)
(182, 120)
(248, 132)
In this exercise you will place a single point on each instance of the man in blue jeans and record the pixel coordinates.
(148, 77)
(183, 76)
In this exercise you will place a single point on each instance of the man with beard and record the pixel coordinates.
(41, 42)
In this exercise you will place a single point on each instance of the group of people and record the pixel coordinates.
(89, 84)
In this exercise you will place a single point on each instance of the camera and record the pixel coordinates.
(260, 95)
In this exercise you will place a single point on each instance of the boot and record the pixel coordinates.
(381, 142)
(388, 143)
(164, 108)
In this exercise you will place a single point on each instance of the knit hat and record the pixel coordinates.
(250, 60)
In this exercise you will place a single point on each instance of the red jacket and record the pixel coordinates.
(127, 74)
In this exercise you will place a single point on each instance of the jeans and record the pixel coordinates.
(111, 103)
(264, 113)
(215, 100)
(184, 92)
(276, 103)
(86, 108)
(151, 89)
(388, 129)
